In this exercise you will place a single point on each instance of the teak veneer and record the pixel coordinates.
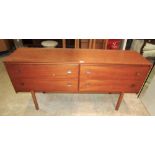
(76, 71)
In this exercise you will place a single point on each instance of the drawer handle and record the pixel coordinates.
(69, 72)
(53, 74)
(87, 84)
(88, 72)
(133, 85)
(138, 74)
(19, 71)
(22, 83)
(69, 84)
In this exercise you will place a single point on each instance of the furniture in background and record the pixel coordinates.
(69, 70)
(18, 43)
(99, 43)
(37, 42)
(128, 44)
(103, 43)
(71, 43)
(5, 44)
(96, 43)
(77, 43)
(41, 42)
(148, 49)
(49, 43)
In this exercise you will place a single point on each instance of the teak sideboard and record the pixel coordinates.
(76, 71)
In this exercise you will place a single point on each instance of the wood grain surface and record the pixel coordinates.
(76, 71)
(43, 71)
(75, 56)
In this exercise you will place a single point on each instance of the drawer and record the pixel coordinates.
(126, 86)
(112, 78)
(45, 85)
(42, 71)
(113, 72)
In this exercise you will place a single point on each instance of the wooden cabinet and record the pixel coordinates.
(76, 71)
(85, 43)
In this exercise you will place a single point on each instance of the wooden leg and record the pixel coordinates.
(35, 100)
(119, 101)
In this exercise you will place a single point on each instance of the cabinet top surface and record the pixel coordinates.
(71, 56)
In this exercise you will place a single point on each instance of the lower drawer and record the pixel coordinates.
(43, 85)
(126, 86)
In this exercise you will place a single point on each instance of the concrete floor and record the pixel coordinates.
(147, 95)
(64, 104)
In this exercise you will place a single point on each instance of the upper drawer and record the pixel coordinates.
(42, 70)
(114, 72)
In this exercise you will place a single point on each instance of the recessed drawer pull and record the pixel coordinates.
(69, 72)
(132, 85)
(88, 72)
(87, 84)
(69, 84)
(138, 74)
(22, 83)
(18, 71)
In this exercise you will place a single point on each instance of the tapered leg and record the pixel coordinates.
(35, 100)
(119, 101)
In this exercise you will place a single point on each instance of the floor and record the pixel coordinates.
(12, 104)
(147, 95)
(148, 82)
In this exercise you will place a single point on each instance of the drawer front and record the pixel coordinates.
(110, 78)
(126, 86)
(113, 72)
(43, 85)
(42, 71)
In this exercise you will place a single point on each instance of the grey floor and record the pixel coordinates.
(64, 104)
(147, 95)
